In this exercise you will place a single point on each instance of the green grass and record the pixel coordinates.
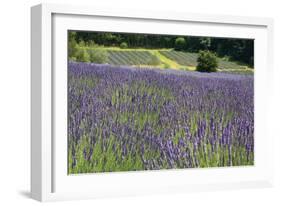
(129, 57)
(182, 58)
(190, 59)
(165, 58)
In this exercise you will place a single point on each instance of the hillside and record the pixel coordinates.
(164, 58)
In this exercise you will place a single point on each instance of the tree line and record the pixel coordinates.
(241, 50)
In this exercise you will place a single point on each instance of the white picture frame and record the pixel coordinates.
(49, 179)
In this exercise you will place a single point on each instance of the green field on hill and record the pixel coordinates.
(163, 58)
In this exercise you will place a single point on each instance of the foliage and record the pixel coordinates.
(207, 62)
(91, 44)
(195, 44)
(72, 44)
(241, 50)
(180, 43)
(82, 55)
(99, 56)
(82, 43)
(123, 45)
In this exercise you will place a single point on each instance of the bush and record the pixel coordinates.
(72, 45)
(154, 60)
(99, 56)
(81, 43)
(72, 48)
(180, 43)
(207, 62)
(82, 56)
(123, 45)
(72, 58)
(91, 43)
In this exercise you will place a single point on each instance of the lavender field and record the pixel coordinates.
(128, 119)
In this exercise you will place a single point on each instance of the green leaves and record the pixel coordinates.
(207, 62)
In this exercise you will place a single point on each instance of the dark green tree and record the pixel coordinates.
(196, 44)
(207, 62)
(180, 44)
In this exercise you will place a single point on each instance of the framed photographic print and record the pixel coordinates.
(136, 102)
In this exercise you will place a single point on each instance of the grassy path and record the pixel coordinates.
(165, 62)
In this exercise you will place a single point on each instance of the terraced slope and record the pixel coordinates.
(190, 59)
(117, 57)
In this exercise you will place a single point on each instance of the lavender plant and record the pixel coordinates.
(127, 119)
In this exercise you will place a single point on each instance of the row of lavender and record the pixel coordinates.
(124, 119)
